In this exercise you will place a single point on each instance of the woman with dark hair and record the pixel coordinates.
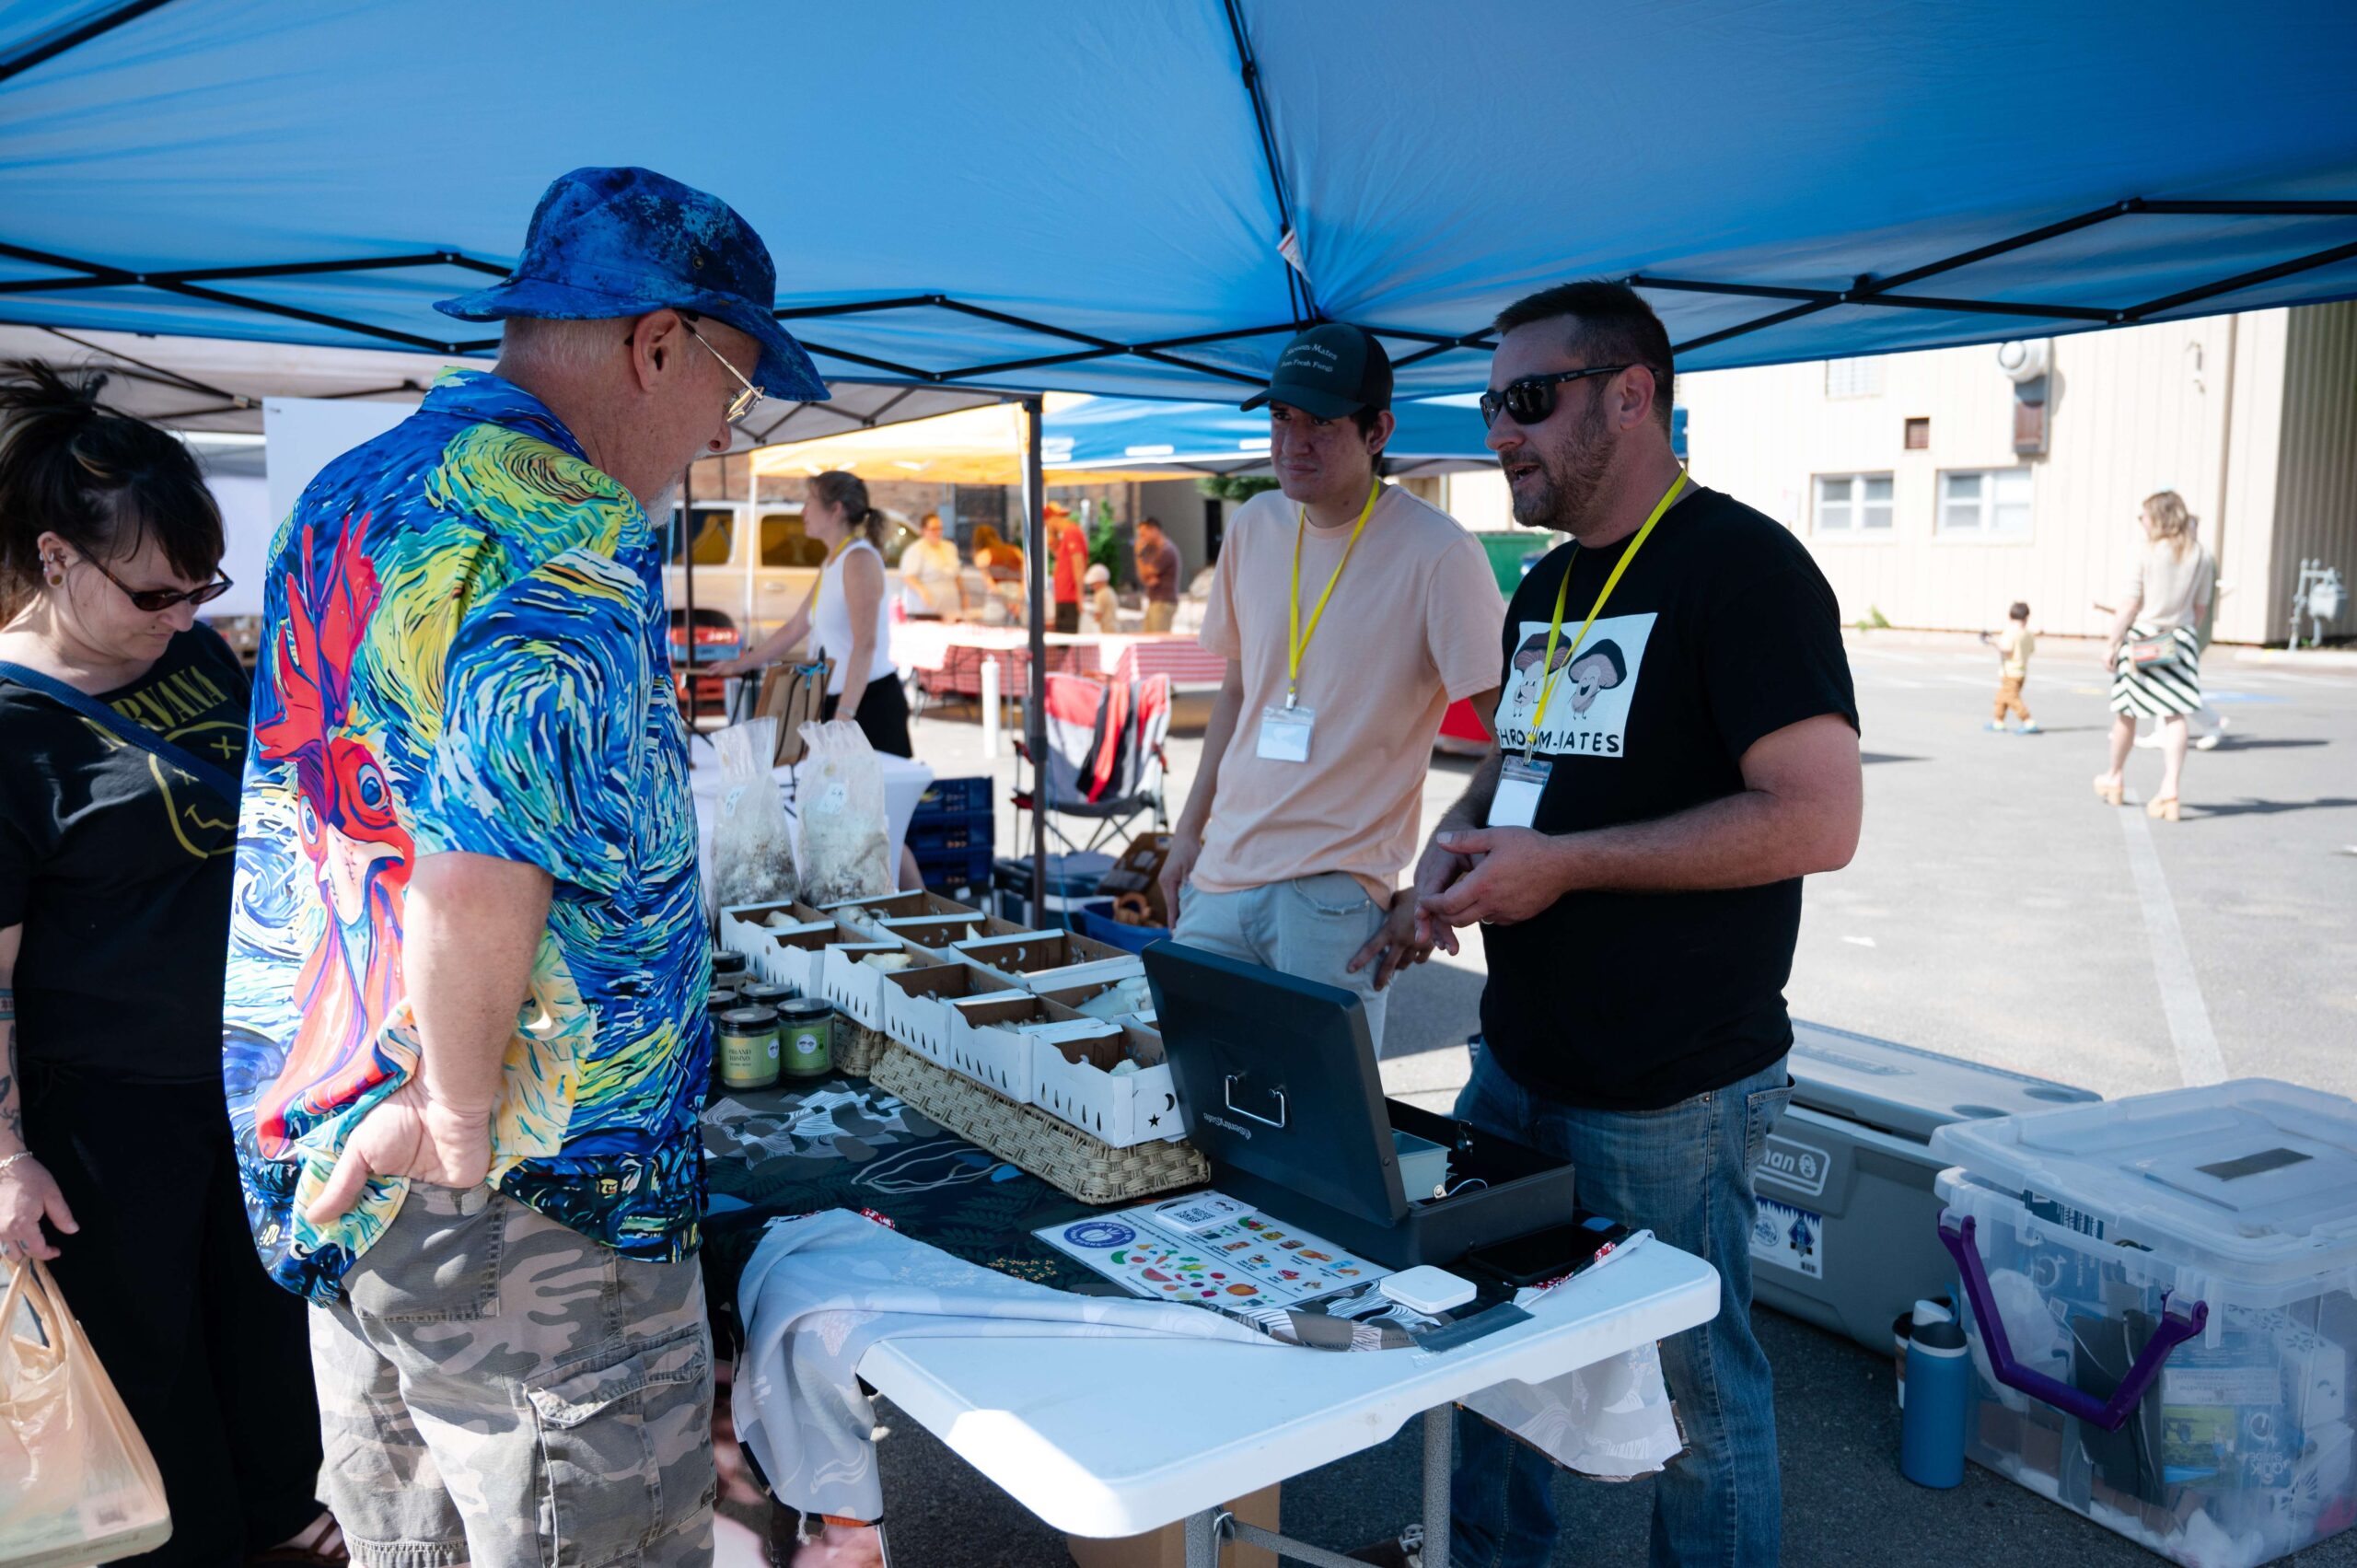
(122, 733)
(845, 617)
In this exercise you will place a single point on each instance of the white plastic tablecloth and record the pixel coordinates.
(904, 784)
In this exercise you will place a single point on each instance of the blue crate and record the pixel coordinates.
(951, 832)
(953, 795)
(1113, 934)
(956, 868)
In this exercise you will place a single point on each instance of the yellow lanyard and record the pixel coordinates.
(1300, 643)
(1555, 630)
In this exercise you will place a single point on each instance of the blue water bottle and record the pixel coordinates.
(1939, 1400)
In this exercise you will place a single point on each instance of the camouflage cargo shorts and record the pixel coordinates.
(501, 1391)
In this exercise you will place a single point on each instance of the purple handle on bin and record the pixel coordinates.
(2108, 1414)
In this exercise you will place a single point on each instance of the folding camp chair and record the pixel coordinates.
(1106, 761)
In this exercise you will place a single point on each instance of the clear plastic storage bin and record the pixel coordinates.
(2158, 1296)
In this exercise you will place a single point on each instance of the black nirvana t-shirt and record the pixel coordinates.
(118, 869)
(1722, 630)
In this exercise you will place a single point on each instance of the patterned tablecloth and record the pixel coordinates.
(839, 1143)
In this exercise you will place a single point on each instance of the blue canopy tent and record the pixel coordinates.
(1144, 200)
(1434, 435)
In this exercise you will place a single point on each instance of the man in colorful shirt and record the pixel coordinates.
(465, 1042)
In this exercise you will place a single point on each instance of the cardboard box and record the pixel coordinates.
(1051, 960)
(856, 989)
(939, 932)
(917, 902)
(1074, 1081)
(1138, 872)
(795, 955)
(988, 1044)
(1167, 1548)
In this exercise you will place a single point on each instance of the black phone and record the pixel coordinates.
(1551, 1254)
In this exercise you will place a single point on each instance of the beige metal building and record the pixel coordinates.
(1929, 492)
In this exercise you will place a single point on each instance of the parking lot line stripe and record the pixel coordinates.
(2198, 1057)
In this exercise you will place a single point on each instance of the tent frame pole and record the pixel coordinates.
(1035, 719)
(1867, 290)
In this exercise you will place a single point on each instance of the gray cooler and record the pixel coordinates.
(1847, 1235)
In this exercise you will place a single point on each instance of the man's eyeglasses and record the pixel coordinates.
(151, 601)
(742, 404)
(1530, 400)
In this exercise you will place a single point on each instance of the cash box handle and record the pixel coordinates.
(2109, 1414)
(1229, 1094)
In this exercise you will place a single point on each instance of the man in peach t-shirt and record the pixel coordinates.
(1305, 807)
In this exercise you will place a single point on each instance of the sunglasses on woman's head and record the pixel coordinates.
(1530, 400)
(151, 601)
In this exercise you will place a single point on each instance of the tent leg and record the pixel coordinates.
(1034, 723)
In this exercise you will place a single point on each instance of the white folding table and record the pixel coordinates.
(1055, 1422)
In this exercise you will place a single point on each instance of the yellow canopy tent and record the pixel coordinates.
(975, 446)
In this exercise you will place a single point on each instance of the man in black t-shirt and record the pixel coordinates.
(1676, 748)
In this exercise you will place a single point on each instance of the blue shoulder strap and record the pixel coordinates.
(217, 779)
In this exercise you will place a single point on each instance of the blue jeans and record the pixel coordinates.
(1684, 1172)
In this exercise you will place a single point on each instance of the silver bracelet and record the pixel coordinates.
(7, 1160)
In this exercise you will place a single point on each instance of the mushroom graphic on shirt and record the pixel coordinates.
(1596, 670)
(1600, 667)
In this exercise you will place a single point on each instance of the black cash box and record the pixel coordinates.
(1277, 1075)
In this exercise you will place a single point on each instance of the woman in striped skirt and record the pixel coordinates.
(2155, 646)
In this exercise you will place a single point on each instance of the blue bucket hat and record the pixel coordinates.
(610, 242)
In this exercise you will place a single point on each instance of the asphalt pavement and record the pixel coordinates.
(1996, 911)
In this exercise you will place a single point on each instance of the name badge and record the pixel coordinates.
(1285, 734)
(1521, 781)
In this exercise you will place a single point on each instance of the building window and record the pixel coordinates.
(1985, 504)
(1854, 377)
(1853, 504)
(1919, 435)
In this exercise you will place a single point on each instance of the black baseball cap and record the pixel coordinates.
(1330, 370)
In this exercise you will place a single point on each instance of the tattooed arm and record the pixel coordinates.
(28, 1192)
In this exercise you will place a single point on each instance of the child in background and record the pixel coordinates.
(1103, 607)
(2014, 644)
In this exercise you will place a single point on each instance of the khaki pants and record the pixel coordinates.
(501, 1391)
(1159, 614)
(2009, 699)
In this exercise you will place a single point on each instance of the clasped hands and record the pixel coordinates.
(1485, 876)
(1467, 877)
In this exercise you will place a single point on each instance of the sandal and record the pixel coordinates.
(2109, 789)
(2162, 808)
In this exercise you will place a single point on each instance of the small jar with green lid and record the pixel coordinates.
(806, 1037)
(748, 1047)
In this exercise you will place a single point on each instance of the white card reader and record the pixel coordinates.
(1427, 1289)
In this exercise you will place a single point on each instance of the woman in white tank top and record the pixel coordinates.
(847, 616)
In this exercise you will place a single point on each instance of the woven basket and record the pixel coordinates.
(857, 1047)
(1055, 1151)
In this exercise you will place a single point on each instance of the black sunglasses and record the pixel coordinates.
(149, 601)
(1532, 399)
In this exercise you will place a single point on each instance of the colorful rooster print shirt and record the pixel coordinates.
(465, 649)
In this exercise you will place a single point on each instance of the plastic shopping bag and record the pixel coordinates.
(77, 1482)
(752, 844)
(839, 805)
